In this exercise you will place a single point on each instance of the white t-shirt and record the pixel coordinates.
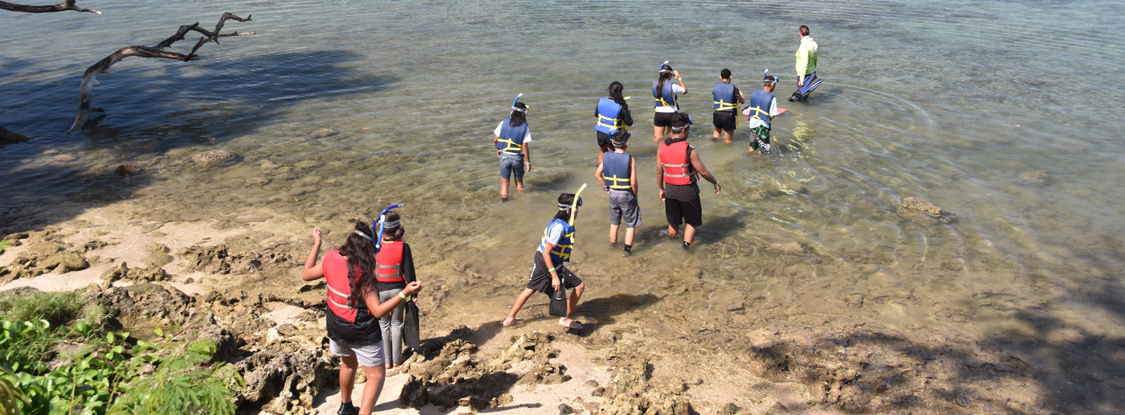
(526, 136)
(755, 122)
(676, 89)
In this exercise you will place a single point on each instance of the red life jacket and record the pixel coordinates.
(677, 167)
(388, 262)
(339, 287)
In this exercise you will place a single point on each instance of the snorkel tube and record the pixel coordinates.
(514, 101)
(382, 219)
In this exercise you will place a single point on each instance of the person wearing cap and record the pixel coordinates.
(618, 173)
(762, 109)
(549, 273)
(678, 168)
(354, 310)
(512, 138)
(394, 269)
(806, 66)
(664, 92)
(725, 94)
(613, 115)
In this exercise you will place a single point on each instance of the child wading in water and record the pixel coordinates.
(549, 273)
(762, 109)
(618, 172)
(512, 138)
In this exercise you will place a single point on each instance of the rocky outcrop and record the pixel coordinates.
(632, 391)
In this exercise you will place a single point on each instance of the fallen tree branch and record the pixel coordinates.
(90, 78)
(61, 7)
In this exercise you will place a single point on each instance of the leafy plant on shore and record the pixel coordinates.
(185, 384)
(105, 375)
(4, 244)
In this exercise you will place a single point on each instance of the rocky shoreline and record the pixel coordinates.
(686, 346)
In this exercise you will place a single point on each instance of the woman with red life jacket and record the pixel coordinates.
(354, 309)
(394, 269)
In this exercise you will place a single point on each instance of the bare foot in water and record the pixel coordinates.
(508, 322)
(570, 324)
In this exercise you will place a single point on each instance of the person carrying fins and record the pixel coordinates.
(549, 273)
(806, 66)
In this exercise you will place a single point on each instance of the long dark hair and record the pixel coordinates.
(360, 252)
(518, 117)
(665, 75)
(615, 93)
(395, 233)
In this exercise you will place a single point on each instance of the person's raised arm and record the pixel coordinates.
(699, 167)
(313, 270)
(677, 74)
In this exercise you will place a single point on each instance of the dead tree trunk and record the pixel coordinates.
(89, 79)
(61, 7)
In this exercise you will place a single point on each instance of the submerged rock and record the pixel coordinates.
(915, 208)
(1037, 177)
(323, 132)
(213, 158)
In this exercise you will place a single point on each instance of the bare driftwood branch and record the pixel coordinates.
(61, 7)
(90, 78)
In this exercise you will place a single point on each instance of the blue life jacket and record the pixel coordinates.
(615, 171)
(608, 117)
(511, 138)
(759, 106)
(665, 97)
(724, 97)
(561, 252)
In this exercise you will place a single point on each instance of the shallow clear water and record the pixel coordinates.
(947, 101)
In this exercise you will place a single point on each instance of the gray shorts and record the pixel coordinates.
(623, 203)
(368, 356)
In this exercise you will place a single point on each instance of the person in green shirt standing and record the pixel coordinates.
(806, 66)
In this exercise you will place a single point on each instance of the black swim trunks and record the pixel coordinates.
(541, 278)
(724, 120)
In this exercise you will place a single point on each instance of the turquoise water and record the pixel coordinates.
(946, 101)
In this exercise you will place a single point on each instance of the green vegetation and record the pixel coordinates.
(101, 372)
(4, 244)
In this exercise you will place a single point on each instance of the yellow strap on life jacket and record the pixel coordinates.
(612, 123)
(663, 102)
(757, 111)
(724, 106)
(617, 180)
(559, 249)
(512, 146)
